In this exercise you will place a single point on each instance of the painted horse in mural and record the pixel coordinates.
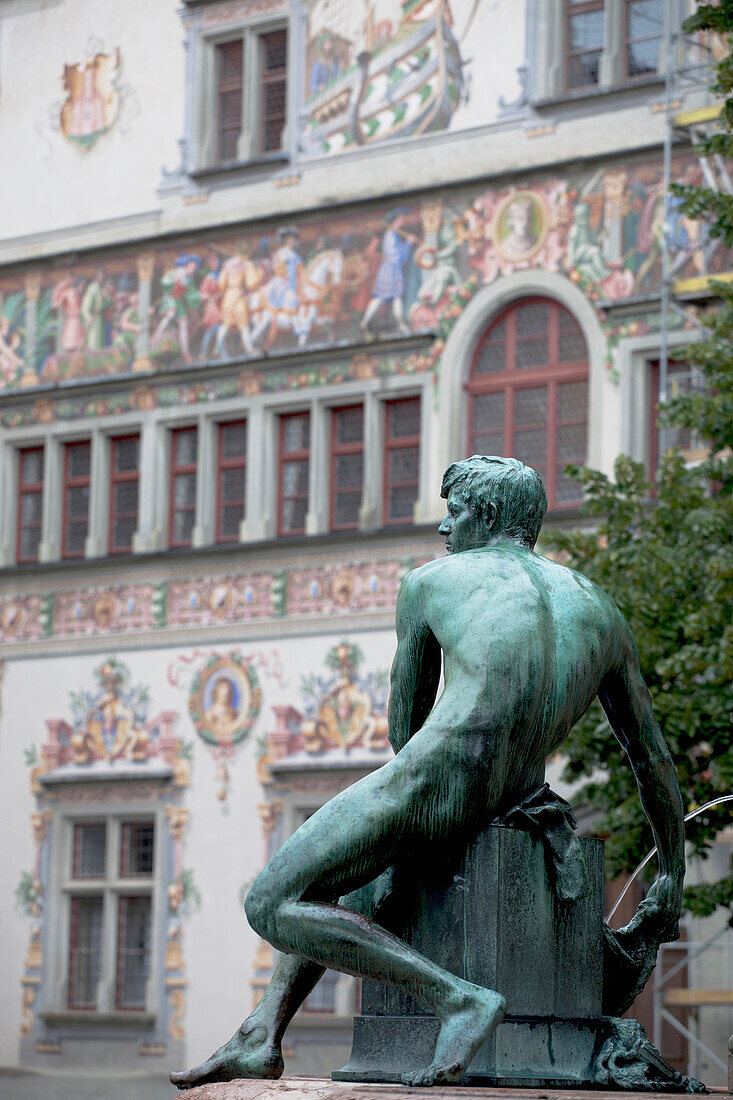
(276, 307)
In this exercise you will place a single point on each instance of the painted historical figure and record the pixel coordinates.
(222, 712)
(389, 284)
(95, 303)
(180, 295)
(526, 646)
(519, 228)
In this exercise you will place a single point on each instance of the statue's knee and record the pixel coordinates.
(258, 908)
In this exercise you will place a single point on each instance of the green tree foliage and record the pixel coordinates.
(668, 563)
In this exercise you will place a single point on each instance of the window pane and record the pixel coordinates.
(531, 353)
(230, 60)
(571, 443)
(293, 514)
(349, 471)
(31, 467)
(402, 501)
(133, 951)
(30, 540)
(125, 497)
(231, 517)
(232, 484)
(350, 425)
(295, 432)
(530, 446)
(646, 18)
(30, 509)
(488, 412)
(532, 319)
(642, 57)
(274, 50)
(571, 340)
(90, 845)
(78, 501)
(346, 511)
(123, 530)
(76, 533)
(530, 406)
(323, 997)
(184, 495)
(136, 857)
(295, 477)
(234, 440)
(583, 69)
(491, 357)
(274, 99)
(126, 454)
(572, 401)
(85, 951)
(185, 447)
(404, 418)
(403, 464)
(80, 455)
(586, 30)
(183, 527)
(228, 145)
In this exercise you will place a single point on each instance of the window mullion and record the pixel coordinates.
(247, 145)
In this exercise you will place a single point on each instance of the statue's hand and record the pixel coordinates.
(659, 912)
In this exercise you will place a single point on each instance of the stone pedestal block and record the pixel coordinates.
(494, 919)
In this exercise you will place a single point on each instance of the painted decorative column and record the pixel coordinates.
(145, 269)
(431, 215)
(614, 188)
(32, 294)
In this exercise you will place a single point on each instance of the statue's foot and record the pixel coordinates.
(461, 1034)
(249, 1053)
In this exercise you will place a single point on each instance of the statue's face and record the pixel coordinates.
(462, 527)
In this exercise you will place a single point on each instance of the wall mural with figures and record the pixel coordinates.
(399, 269)
(112, 751)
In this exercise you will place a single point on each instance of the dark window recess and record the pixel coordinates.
(294, 469)
(231, 500)
(584, 41)
(347, 466)
(133, 952)
(30, 503)
(323, 996)
(85, 951)
(77, 479)
(138, 842)
(90, 850)
(123, 492)
(229, 91)
(184, 442)
(644, 37)
(273, 49)
(528, 394)
(401, 459)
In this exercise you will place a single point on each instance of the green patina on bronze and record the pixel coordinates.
(526, 645)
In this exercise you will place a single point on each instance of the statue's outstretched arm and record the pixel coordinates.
(415, 669)
(625, 699)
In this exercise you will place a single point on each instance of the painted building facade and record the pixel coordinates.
(266, 268)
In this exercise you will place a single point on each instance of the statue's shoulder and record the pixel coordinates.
(423, 575)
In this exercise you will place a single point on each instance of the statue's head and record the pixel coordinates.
(491, 498)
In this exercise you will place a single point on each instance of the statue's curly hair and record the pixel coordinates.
(513, 491)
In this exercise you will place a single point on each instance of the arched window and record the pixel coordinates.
(528, 393)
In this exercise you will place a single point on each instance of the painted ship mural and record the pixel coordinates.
(383, 82)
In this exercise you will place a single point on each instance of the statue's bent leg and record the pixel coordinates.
(255, 1049)
(348, 842)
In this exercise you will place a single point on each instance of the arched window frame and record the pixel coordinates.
(551, 374)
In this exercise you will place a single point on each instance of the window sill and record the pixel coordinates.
(584, 95)
(81, 1018)
(268, 160)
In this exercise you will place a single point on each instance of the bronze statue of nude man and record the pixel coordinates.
(526, 645)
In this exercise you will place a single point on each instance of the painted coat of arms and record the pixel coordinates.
(92, 98)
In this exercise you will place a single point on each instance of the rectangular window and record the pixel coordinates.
(85, 950)
(682, 378)
(347, 466)
(30, 503)
(133, 952)
(90, 850)
(123, 492)
(77, 479)
(136, 853)
(584, 40)
(184, 444)
(231, 498)
(273, 49)
(249, 123)
(644, 37)
(401, 459)
(229, 90)
(294, 469)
